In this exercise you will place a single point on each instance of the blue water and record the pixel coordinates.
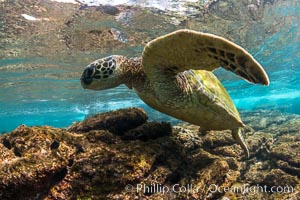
(37, 91)
(280, 56)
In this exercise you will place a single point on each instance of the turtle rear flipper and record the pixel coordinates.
(237, 135)
(186, 49)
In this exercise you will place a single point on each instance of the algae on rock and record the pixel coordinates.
(101, 162)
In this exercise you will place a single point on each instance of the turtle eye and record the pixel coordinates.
(89, 71)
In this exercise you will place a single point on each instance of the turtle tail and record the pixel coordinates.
(237, 135)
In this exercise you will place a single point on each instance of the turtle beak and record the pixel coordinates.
(85, 82)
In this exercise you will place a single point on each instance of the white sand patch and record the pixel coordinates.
(30, 18)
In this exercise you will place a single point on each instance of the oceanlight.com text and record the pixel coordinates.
(212, 188)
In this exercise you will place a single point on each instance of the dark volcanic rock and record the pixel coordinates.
(150, 130)
(277, 177)
(288, 151)
(117, 122)
(30, 168)
(118, 155)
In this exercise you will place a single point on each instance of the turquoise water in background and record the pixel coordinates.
(281, 60)
(51, 96)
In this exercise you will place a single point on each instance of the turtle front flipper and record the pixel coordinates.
(237, 135)
(186, 49)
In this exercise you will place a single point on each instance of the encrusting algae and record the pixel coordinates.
(92, 161)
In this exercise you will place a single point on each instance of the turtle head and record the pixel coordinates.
(102, 74)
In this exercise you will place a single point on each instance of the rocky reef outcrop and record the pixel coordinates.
(120, 155)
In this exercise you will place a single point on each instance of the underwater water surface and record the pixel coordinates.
(37, 90)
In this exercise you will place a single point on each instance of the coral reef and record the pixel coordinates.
(119, 155)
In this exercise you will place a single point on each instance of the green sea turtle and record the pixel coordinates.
(174, 76)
